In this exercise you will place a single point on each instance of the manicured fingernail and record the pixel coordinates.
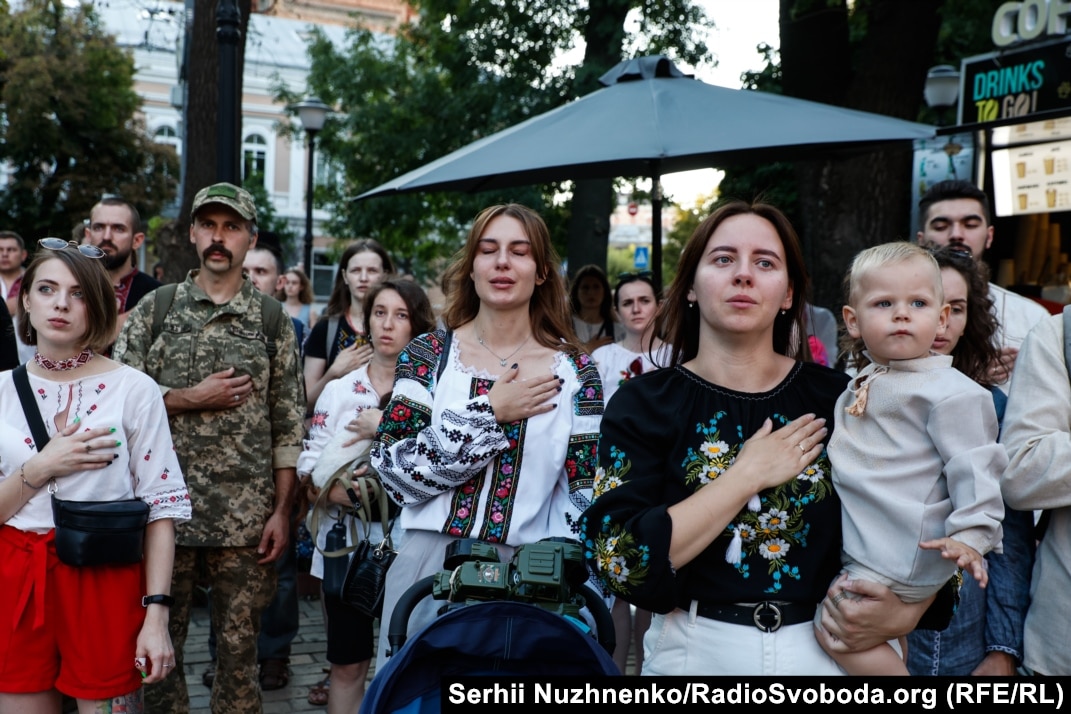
(554, 406)
(118, 443)
(559, 388)
(143, 675)
(514, 366)
(77, 419)
(112, 430)
(561, 380)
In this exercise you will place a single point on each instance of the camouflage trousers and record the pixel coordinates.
(240, 591)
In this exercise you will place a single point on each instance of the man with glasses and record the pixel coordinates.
(115, 227)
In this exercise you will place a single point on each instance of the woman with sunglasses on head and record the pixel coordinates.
(337, 344)
(493, 437)
(94, 633)
(713, 503)
(638, 352)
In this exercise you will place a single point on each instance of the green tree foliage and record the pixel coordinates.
(68, 128)
(465, 71)
(870, 55)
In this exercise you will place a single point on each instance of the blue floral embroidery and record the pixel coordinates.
(778, 526)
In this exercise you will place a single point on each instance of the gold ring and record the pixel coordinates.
(801, 447)
(837, 598)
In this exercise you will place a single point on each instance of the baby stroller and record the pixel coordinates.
(517, 618)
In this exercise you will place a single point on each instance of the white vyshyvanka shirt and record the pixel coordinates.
(441, 454)
(123, 398)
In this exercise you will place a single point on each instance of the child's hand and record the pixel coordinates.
(965, 556)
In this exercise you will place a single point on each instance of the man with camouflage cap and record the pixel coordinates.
(233, 390)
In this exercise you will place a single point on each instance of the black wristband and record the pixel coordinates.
(165, 600)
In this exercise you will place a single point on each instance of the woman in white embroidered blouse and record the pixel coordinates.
(501, 446)
(395, 311)
(82, 631)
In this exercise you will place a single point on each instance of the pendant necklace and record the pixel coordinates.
(502, 360)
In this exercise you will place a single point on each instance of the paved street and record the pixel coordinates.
(307, 663)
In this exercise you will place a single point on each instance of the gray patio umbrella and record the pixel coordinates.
(651, 119)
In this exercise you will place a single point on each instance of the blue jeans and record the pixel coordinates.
(989, 620)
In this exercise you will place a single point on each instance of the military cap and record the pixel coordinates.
(228, 195)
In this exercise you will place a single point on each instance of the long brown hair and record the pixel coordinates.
(679, 324)
(548, 309)
(339, 302)
(977, 347)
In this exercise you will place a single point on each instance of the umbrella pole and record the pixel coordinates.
(656, 232)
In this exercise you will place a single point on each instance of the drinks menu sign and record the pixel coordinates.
(1021, 83)
(1032, 179)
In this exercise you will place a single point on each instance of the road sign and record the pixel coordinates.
(641, 260)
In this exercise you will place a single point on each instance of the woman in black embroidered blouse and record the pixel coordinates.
(713, 503)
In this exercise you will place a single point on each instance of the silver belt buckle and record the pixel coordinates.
(767, 608)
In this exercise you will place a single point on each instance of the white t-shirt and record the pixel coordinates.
(617, 365)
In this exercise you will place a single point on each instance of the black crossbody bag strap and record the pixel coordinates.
(29, 407)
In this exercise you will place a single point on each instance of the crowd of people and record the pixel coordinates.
(751, 496)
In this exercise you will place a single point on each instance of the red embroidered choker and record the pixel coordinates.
(64, 364)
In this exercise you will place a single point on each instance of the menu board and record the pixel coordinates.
(1033, 131)
(1035, 178)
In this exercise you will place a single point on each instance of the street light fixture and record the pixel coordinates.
(312, 113)
(942, 87)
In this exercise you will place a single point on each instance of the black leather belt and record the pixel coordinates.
(768, 616)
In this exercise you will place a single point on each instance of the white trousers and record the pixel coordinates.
(681, 643)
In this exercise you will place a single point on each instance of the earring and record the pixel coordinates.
(691, 305)
(783, 312)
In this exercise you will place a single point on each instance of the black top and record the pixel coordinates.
(9, 348)
(316, 344)
(143, 284)
(667, 433)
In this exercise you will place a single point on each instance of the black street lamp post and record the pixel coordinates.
(312, 113)
(228, 34)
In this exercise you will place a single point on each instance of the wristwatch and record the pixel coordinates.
(165, 600)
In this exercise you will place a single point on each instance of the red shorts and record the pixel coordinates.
(73, 629)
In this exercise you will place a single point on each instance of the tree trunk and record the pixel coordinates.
(593, 200)
(850, 204)
(199, 121)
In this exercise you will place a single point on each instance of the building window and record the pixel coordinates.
(323, 274)
(254, 158)
(167, 135)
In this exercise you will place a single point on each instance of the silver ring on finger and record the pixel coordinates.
(237, 398)
(837, 598)
(804, 450)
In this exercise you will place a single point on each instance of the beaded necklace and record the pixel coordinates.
(63, 365)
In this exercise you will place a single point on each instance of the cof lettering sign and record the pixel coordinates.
(1029, 20)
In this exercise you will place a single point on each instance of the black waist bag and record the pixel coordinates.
(100, 532)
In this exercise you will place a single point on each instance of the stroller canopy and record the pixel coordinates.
(499, 638)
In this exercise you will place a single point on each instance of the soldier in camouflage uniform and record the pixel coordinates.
(235, 399)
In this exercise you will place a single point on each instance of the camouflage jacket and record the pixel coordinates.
(229, 455)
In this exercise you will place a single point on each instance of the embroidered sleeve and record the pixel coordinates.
(158, 477)
(432, 440)
(626, 531)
